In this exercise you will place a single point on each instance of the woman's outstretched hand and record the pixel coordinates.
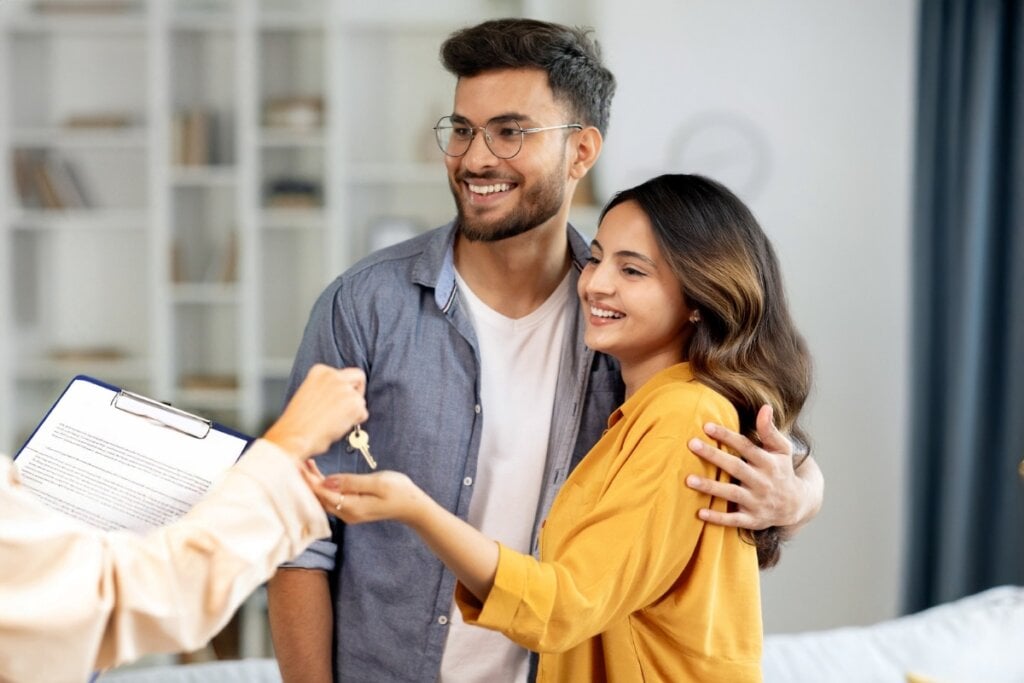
(358, 498)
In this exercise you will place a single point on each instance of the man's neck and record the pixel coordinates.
(515, 276)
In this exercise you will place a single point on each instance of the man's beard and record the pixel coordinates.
(538, 205)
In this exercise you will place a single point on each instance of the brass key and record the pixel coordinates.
(360, 440)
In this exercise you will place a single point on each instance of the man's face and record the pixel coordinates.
(501, 198)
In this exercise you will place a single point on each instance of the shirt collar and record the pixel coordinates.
(680, 372)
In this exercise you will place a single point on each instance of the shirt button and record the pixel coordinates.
(468, 481)
(476, 408)
(442, 620)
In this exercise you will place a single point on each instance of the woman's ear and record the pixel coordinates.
(586, 150)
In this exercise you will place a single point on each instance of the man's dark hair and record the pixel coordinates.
(569, 55)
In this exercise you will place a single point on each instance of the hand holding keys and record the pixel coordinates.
(360, 440)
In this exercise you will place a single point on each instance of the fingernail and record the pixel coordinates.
(696, 445)
(710, 428)
(703, 514)
(693, 481)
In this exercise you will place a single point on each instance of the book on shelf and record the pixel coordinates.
(25, 180)
(71, 191)
(196, 138)
(48, 181)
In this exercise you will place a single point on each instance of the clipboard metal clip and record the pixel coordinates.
(162, 414)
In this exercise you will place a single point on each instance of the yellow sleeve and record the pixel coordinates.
(624, 551)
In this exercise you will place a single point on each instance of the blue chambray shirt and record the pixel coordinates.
(398, 315)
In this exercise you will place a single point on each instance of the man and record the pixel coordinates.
(481, 388)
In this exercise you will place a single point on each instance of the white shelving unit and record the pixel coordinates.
(184, 274)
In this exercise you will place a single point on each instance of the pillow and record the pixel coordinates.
(976, 639)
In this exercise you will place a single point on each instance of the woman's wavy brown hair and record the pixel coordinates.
(745, 345)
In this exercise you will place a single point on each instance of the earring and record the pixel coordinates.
(695, 317)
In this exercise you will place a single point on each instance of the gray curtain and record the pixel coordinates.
(966, 500)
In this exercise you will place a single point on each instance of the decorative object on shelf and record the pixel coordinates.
(294, 113)
(209, 382)
(99, 120)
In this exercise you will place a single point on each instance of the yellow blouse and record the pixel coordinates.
(631, 585)
(74, 598)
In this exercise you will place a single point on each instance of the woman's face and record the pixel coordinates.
(632, 300)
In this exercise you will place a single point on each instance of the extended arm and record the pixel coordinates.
(770, 491)
(100, 599)
(470, 555)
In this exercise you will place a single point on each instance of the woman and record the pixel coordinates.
(683, 288)
(74, 598)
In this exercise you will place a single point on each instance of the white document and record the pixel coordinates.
(116, 460)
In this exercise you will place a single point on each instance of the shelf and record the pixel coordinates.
(205, 293)
(99, 25)
(292, 219)
(204, 176)
(79, 219)
(200, 22)
(283, 20)
(92, 138)
(50, 370)
(287, 137)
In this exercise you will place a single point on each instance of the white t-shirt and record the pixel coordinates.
(519, 369)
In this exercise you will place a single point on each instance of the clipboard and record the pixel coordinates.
(115, 459)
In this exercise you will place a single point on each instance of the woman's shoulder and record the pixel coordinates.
(685, 402)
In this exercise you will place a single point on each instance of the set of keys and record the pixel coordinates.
(359, 440)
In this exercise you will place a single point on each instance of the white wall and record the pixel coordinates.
(804, 108)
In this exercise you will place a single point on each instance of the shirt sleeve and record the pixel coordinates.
(75, 598)
(329, 338)
(623, 551)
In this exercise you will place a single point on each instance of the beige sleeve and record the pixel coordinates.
(74, 599)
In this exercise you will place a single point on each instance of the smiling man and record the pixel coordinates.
(479, 385)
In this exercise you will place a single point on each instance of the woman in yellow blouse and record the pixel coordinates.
(683, 288)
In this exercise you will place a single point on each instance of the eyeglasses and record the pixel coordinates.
(504, 137)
